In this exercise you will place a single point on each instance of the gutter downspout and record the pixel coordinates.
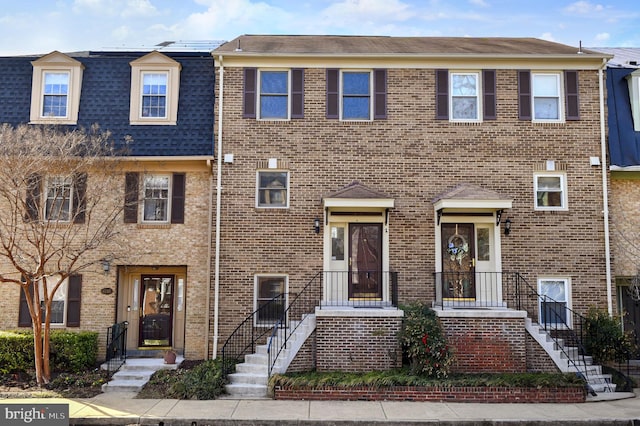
(605, 196)
(216, 279)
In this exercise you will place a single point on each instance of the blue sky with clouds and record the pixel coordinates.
(37, 26)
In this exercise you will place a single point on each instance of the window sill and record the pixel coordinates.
(154, 225)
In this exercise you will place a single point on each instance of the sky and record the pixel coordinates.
(41, 26)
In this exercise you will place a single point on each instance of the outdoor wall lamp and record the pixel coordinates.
(507, 226)
(106, 266)
(316, 225)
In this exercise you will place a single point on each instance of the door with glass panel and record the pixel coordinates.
(156, 310)
(458, 261)
(365, 261)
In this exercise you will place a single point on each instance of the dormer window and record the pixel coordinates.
(55, 92)
(155, 81)
(633, 80)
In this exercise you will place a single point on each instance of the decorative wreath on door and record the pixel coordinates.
(458, 248)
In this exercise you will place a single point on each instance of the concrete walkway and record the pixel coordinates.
(120, 408)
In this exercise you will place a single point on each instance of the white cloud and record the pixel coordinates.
(603, 36)
(480, 3)
(110, 8)
(547, 36)
(352, 13)
(135, 8)
(584, 8)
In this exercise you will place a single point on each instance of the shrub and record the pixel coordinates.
(204, 381)
(605, 341)
(16, 351)
(71, 352)
(423, 342)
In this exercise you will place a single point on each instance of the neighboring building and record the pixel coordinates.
(377, 171)
(623, 103)
(160, 106)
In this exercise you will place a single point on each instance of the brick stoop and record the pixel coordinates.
(136, 372)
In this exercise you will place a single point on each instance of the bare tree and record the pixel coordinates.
(60, 197)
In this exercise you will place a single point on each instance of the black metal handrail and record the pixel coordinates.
(474, 289)
(566, 328)
(300, 305)
(253, 330)
(364, 288)
(116, 354)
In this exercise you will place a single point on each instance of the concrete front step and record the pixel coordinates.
(246, 390)
(135, 373)
(248, 379)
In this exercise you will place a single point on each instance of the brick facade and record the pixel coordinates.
(357, 343)
(411, 156)
(486, 342)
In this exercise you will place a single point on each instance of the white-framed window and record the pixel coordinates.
(465, 102)
(270, 298)
(59, 198)
(153, 103)
(272, 188)
(274, 88)
(355, 95)
(155, 81)
(156, 195)
(554, 301)
(546, 97)
(55, 94)
(55, 89)
(550, 191)
(633, 81)
(59, 300)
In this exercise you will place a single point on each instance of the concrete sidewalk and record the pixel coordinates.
(122, 409)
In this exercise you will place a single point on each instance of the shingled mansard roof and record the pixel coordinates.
(106, 88)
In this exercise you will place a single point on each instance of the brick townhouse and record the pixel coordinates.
(623, 108)
(160, 104)
(370, 172)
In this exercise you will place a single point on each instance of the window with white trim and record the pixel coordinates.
(154, 95)
(465, 96)
(157, 193)
(155, 81)
(356, 95)
(554, 301)
(59, 198)
(550, 191)
(270, 298)
(633, 81)
(546, 93)
(55, 89)
(272, 189)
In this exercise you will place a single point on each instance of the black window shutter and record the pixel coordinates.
(74, 292)
(32, 201)
(131, 197)
(442, 94)
(571, 90)
(524, 95)
(297, 93)
(24, 317)
(380, 94)
(79, 197)
(489, 94)
(249, 96)
(333, 93)
(177, 198)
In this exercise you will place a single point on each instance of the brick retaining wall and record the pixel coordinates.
(436, 394)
